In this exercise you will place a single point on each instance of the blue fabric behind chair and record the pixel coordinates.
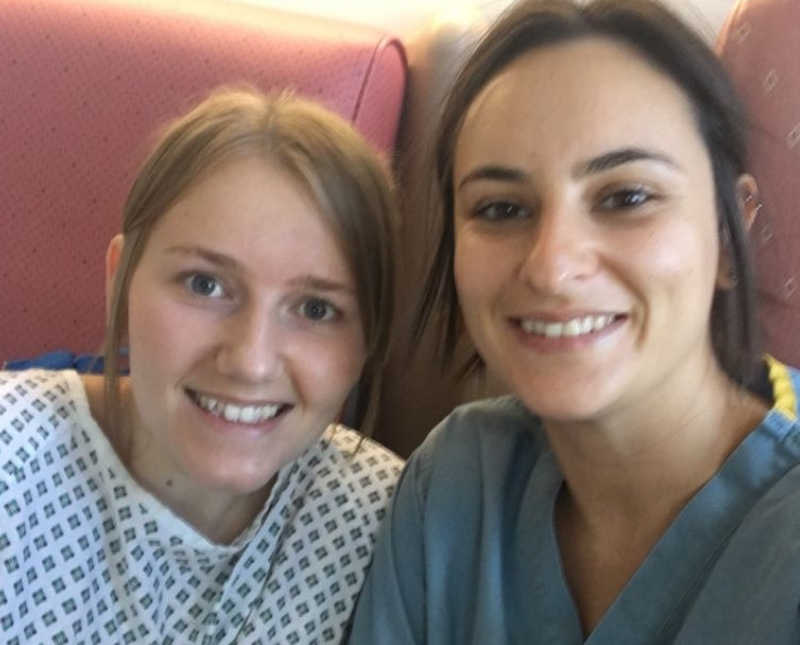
(60, 360)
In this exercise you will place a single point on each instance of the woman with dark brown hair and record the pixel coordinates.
(640, 485)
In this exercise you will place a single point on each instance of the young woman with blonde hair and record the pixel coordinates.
(201, 490)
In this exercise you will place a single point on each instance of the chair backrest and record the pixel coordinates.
(760, 45)
(83, 85)
(417, 393)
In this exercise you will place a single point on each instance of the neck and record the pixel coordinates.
(639, 466)
(219, 514)
(220, 517)
(629, 474)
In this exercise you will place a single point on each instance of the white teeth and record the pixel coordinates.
(237, 413)
(248, 414)
(570, 328)
(231, 412)
(573, 327)
(553, 330)
(600, 322)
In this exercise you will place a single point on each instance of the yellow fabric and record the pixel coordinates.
(782, 389)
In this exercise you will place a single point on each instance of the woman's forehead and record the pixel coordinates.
(573, 100)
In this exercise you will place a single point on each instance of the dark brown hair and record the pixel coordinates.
(668, 44)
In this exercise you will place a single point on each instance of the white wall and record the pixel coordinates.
(706, 15)
(406, 16)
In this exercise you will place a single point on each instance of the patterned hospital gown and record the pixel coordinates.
(89, 556)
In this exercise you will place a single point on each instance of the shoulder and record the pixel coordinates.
(355, 452)
(42, 412)
(346, 461)
(501, 418)
(491, 428)
(760, 553)
(40, 409)
(35, 392)
(480, 443)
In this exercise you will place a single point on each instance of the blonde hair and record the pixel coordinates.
(324, 153)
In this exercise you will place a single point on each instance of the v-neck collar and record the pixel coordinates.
(652, 605)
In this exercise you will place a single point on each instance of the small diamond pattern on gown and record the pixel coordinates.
(89, 556)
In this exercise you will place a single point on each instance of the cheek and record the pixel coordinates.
(348, 359)
(470, 256)
(681, 257)
(328, 368)
(145, 324)
(483, 265)
(158, 327)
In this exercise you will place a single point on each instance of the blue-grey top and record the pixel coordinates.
(469, 552)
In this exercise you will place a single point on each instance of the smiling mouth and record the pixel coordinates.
(572, 328)
(236, 413)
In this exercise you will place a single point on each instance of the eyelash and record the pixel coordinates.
(618, 198)
(508, 211)
(331, 312)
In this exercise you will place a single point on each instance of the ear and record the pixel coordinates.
(748, 199)
(113, 255)
(749, 204)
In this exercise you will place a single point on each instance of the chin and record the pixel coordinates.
(234, 479)
(566, 404)
(568, 412)
(570, 394)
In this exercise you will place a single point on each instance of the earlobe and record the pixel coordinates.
(726, 278)
(113, 255)
(748, 199)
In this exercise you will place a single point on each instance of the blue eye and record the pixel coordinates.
(202, 284)
(625, 199)
(499, 211)
(318, 310)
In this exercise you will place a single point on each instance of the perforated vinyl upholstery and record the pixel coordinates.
(760, 44)
(83, 85)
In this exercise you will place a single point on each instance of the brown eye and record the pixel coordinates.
(500, 211)
(624, 199)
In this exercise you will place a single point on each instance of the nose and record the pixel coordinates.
(251, 348)
(561, 250)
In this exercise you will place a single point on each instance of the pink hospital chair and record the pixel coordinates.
(760, 44)
(84, 83)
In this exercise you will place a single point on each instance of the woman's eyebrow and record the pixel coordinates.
(208, 255)
(619, 157)
(318, 283)
(494, 173)
(606, 161)
(308, 281)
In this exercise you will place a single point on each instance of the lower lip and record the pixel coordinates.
(221, 424)
(548, 345)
